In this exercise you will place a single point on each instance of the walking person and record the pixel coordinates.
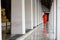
(45, 28)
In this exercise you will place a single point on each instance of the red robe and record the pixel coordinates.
(45, 18)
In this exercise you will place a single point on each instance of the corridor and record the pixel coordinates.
(24, 19)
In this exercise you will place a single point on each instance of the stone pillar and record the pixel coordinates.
(29, 14)
(17, 17)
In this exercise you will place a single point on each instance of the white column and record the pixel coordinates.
(35, 12)
(32, 14)
(17, 17)
(58, 19)
(55, 19)
(0, 23)
(29, 14)
(38, 12)
(23, 16)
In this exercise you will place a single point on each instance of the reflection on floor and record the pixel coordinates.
(38, 34)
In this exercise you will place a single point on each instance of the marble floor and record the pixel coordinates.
(38, 34)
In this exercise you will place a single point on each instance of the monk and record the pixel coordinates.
(45, 19)
(45, 22)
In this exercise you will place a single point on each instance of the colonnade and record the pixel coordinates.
(25, 14)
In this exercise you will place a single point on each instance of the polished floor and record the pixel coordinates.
(35, 34)
(38, 34)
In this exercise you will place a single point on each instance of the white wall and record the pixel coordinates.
(58, 19)
(57, 14)
(51, 19)
(17, 12)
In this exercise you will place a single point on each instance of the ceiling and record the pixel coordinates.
(46, 3)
